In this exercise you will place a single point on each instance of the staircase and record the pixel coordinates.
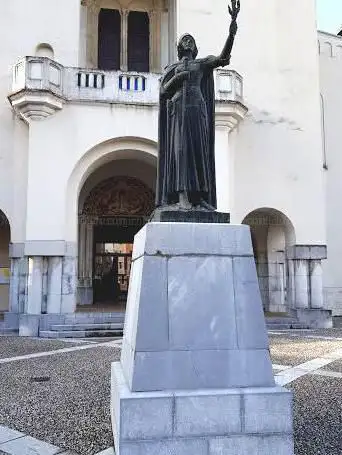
(284, 323)
(85, 325)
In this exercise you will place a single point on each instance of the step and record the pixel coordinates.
(8, 331)
(80, 333)
(86, 327)
(296, 325)
(281, 320)
(92, 318)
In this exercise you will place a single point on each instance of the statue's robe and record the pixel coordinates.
(186, 161)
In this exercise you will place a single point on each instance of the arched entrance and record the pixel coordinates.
(111, 212)
(272, 233)
(5, 238)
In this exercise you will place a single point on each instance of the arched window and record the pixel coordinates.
(138, 41)
(109, 42)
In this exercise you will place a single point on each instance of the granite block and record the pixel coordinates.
(252, 445)
(11, 320)
(153, 306)
(146, 418)
(16, 250)
(209, 415)
(28, 446)
(44, 248)
(205, 369)
(167, 447)
(212, 303)
(28, 325)
(182, 239)
(250, 319)
(268, 411)
(133, 298)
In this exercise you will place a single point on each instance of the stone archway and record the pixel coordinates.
(5, 238)
(114, 210)
(272, 234)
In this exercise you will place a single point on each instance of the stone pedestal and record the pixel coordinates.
(195, 375)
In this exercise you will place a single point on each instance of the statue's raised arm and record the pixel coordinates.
(234, 11)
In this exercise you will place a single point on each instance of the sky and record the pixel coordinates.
(329, 15)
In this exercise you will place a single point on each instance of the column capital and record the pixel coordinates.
(229, 114)
(307, 252)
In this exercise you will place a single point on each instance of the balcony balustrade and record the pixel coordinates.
(41, 86)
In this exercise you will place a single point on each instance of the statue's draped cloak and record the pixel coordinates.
(186, 161)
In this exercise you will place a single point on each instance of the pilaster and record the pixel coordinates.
(124, 40)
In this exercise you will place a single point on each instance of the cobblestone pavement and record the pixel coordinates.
(58, 391)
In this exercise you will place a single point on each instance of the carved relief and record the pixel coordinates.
(119, 196)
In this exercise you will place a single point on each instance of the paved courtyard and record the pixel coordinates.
(58, 392)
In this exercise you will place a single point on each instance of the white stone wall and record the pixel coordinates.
(24, 25)
(273, 160)
(331, 82)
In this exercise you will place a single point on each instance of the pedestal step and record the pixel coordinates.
(235, 421)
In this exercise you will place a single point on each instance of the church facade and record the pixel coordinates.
(79, 92)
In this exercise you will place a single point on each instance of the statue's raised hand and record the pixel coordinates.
(234, 9)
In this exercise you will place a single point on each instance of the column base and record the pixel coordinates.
(314, 318)
(29, 325)
(239, 421)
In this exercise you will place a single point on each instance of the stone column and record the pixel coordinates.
(172, 13)
(35, 285)
(69, 284)
(291, 284)
(54, 296)
(155, 40)
(29, 320)
(82, 249)
(308, 293)
(227, 118)
(23, 282)
(89, 255)
(301, 283)
(316, 284)
(124, 40)
(223, 167)
(14, 285)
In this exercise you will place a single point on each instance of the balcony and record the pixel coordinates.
(42, 86)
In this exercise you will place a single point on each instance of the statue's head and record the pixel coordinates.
(186, 45)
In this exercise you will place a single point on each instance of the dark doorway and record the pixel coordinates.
(113, 246)
(109, 39)
(138, 42)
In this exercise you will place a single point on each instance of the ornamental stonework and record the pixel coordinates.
(119, 196)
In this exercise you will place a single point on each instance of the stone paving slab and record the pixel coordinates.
(28, 445)
(15, 346)
(7, 434)
(109, 451)
(287, 350)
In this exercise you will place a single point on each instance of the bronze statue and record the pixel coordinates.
(186, 166)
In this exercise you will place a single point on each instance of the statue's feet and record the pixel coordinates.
(205, 206)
